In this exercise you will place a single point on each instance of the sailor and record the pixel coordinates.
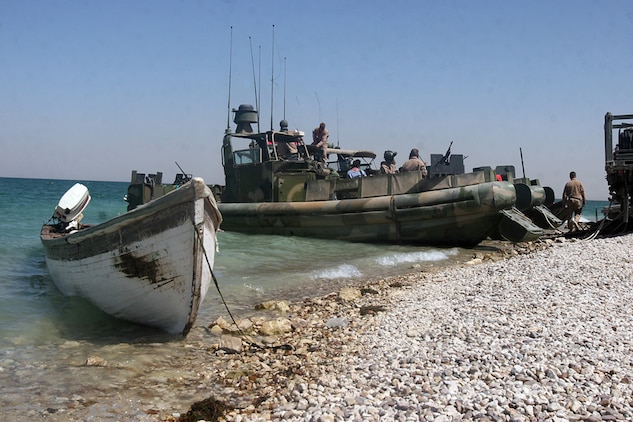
(320, 139)
(389, 165)
(356, 171)
(414, 163)
(574, 200)
(287, 148)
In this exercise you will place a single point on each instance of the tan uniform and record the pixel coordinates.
(288, 150)
(415, 164)
(320, 139)
(574, 199)
(388, 168)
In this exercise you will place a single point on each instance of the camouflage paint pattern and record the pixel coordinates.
(516, 227)
(453, 216)
(265, 194)
(528, 196)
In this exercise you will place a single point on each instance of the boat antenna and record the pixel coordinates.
(522, 166)
(272, 79)
(259, 97)
(254, 81)
(284, 88)
(228, 113)
(337, 128)
(319, 103)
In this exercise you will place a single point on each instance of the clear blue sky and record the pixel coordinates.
(91, 90)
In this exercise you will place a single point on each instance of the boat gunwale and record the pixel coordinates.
(194, 190)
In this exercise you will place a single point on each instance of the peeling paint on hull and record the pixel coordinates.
(148, 265)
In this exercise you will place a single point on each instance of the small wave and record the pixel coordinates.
(404, 258)
(342, 271)
(258, 289)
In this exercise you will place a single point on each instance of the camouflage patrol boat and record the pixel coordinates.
(532, 199)
(271, 191)
(275, 184)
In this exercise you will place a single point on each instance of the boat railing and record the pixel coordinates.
(609, 126)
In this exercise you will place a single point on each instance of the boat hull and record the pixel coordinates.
(151, 265)
(463, 215)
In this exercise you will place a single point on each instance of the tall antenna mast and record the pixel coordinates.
(228, 111)
(337, 129)
(284, 88)
(254, 81)
(259, 98)
(272, 78)
(319, 103)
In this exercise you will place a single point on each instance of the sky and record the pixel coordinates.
(91, 90)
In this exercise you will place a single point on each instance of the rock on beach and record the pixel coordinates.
(546, 335)
(539, 331)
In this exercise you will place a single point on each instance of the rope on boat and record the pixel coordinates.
(606, 222)
(244, 337)
(602, 224)
(550, 223)
(596, 232)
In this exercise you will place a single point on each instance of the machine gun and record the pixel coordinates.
(447, 157)
(183, 177)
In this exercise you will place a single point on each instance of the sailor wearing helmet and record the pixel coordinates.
(389, 165)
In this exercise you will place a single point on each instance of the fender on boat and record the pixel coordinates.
(543, 217)
(516, 227)
(528, 196)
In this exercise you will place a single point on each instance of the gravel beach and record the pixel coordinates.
(541, 336)
(538, 331)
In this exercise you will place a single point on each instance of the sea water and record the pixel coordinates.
(249, 268)
(38, 323)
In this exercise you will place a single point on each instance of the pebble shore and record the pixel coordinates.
(543, 336)
(537, 331)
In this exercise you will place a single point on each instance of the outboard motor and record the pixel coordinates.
(71, 205)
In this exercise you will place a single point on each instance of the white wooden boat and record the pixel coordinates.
(152, 265)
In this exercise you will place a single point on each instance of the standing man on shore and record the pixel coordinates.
(320, 139)
(574, 200)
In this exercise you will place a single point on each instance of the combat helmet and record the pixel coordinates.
(390, 155)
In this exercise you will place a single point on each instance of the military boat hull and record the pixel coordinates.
(463, 215)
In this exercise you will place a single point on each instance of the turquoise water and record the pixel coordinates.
(593, 210)
(32, 311)
(39, 327)
(30, 305)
